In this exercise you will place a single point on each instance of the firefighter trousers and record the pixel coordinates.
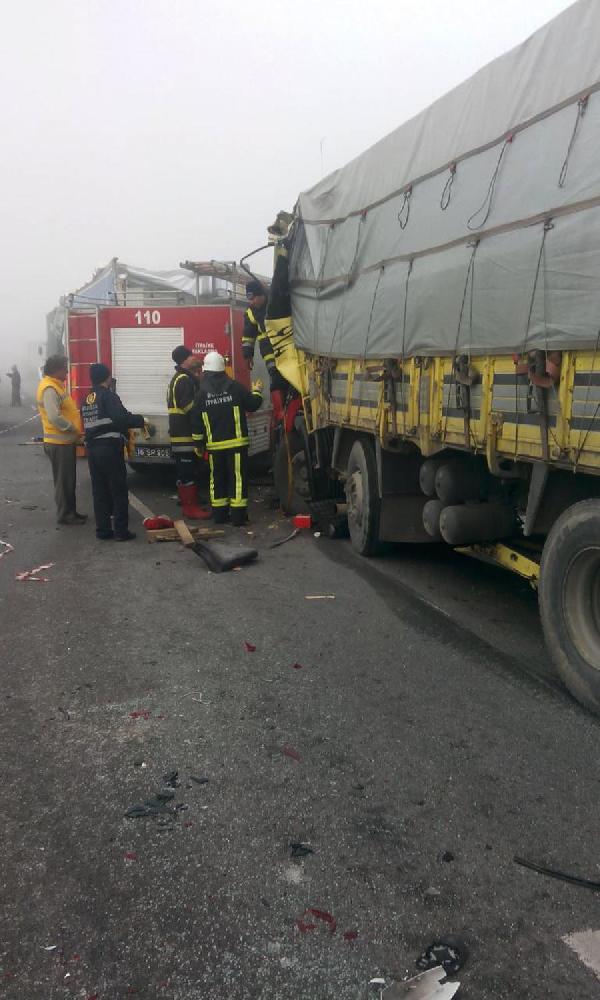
(229, 484)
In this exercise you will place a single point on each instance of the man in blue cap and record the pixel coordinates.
(106, 423)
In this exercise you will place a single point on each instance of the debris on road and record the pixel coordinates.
(250, 648)
(426, 986)
(6, 548)
(171, 779)
(199, 781)
(290, 752)
(350, 935)
(302, 521)
(300, 850)
(297, 666)
(282, 541)
(447, 856)
(449, 954)
(319, 597)
(130, 856)
(220, 557)
(32, 574)
(322, 915)
(140, 713)
(432, 892)
(555, 873)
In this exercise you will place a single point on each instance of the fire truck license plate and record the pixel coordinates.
(142, 451)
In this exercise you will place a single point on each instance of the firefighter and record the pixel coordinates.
(181, 394)
(219, 425)
(254, 327)
(106, 423)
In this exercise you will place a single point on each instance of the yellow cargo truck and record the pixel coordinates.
(444, 333)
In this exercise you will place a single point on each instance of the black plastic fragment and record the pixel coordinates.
(299, 850)
(450, 954)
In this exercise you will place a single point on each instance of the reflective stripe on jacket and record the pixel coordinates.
(219, 413)
(68, 410)
(181, 394)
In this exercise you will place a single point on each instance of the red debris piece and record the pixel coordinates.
(249, 647)
(296, 666)
(304, 927)
(324, 916)
(290, 752)
(140, 713)
(129, 856)
(321, 915)
(350, 935)
(76, 958)
(163, 984)
(188, 823)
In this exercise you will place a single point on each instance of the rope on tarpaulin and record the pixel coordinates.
(489, 197)
(447, 192)
(582, 105)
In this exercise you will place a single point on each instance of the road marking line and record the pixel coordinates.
(13, 427)
(140, 506)
(586, 945)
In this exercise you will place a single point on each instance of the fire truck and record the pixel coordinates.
(132, 323)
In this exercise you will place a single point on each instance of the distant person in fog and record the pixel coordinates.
(15, 376)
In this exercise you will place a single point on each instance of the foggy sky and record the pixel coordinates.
(169, 129)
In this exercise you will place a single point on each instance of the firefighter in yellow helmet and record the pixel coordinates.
(219, 426)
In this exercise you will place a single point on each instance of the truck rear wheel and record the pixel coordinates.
(363, 498)
(290, 475)
(569, 597)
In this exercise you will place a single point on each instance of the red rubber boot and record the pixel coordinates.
(189, 503)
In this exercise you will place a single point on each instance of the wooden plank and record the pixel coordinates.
(184, 533)
(171, 535)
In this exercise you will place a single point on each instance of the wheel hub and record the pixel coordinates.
(355, 497)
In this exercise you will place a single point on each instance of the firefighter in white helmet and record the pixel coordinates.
(219, 426)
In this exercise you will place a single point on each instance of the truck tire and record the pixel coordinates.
(569, 598)
(362, 496)
(294, 497)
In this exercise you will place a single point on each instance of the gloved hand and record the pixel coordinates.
(199, 452)
(257, 386)
(149, 428)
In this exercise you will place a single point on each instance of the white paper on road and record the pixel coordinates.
(586, 945)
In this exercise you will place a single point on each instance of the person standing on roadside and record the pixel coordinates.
(15, 376)
(219, 425)
(106, 423)
(182, 391)
(61, 425)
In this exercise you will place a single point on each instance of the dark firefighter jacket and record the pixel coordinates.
(254, 331)
(180, 399)
(105, 418)
(219, 413)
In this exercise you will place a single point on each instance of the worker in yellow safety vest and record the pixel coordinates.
(61, 425)
(254, 331)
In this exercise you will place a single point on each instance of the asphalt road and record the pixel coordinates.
(413, 717)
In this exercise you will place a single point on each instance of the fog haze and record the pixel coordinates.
(158, 131)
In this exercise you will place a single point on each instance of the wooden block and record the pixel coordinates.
(184, 533)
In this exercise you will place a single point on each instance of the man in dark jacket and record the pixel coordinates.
(180, 399)
(106, 423)
(219, 425)
(15, 376)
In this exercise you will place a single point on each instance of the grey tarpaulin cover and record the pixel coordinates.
(475, 226)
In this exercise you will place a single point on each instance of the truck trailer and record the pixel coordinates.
(442, 346)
